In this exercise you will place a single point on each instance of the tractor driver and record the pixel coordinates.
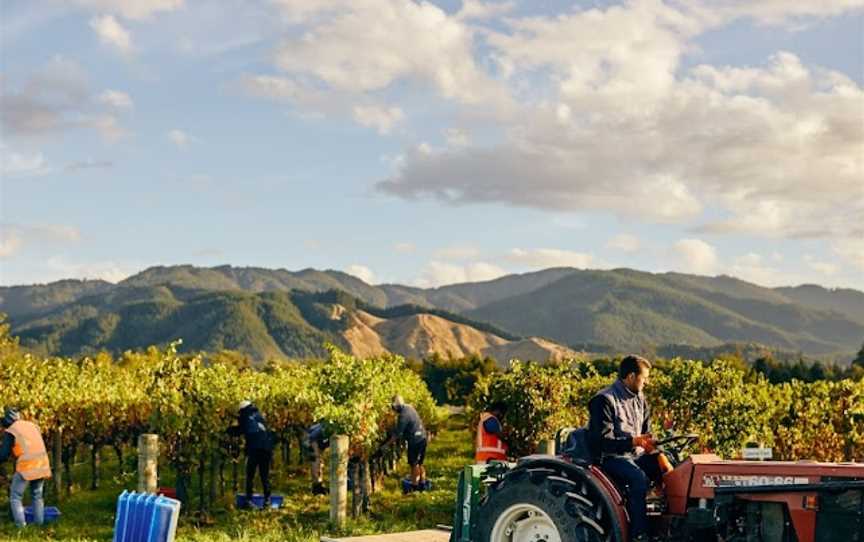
(619, 431)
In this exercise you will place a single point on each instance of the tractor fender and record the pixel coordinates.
(591, 475)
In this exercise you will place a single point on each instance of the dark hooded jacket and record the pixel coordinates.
(251, 425)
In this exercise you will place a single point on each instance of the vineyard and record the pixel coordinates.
(100, 403)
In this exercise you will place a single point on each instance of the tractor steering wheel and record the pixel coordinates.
(675, 445)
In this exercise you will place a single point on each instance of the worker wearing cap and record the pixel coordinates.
(259, 447)
(23, 440)
(409, 427)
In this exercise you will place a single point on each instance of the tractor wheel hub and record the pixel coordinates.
(524, 523)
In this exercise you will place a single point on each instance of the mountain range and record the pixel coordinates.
(545, 314)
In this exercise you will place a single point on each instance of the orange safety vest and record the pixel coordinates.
(29, 451)
(489, 446)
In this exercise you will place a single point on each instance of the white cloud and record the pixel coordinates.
(752, 268)
(383, 119)
(404, 248)
(456, 137)
(180, 138)
(16, 164)
(10, 243)
(271, 87)
(116, 99)
(772, 12)
(851, 250)
(59, 268)
(299, 11)
(16, 237)
(58, 232)
(477, 9)
(440, 273)
(130, 9)
(542, 258)
(457, 252)
(624, 242)
(649, 140)
(55, 98)
(367, 45)
(312, 102)
(695, 256)
(361, 272)
(112, 33)
(822, 267)
(89, 163)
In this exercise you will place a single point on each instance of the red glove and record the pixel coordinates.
(645, 442)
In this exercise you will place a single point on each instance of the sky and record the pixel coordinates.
(430, 143)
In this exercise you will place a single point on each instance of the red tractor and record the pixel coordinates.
(545, 498)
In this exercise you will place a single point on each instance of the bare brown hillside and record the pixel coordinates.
(421, 335)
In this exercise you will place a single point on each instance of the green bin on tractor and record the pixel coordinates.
(467, 499)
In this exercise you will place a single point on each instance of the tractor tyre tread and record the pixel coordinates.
(578, 514)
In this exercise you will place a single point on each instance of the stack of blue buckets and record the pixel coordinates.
(144, 517)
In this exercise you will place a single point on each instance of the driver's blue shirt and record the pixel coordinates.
(616, 416)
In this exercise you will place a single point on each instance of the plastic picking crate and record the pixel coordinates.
(144, 517)
(52, 514)
(258, 500)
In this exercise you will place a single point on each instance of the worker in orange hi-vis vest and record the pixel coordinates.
(23, 440)
(490, 435)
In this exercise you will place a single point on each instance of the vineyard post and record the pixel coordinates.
(57, 451)
(148, 462)
(365, 484)
(356, 496)
(339, 479)
(95, 465)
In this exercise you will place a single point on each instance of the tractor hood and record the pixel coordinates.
(699, 475)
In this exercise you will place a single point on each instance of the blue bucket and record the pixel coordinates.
(258, 500)
(52, 514)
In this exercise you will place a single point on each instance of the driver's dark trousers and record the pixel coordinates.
(636, 474)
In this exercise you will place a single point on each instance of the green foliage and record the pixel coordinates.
(540, 399)
(722, 401)
(358, 394)
(190, 403)
(451, 381)
(711, 400)
(778, 372)
(859, 358)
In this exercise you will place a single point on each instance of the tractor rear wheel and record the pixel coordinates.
(543, 505)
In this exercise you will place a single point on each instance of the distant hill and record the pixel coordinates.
(264, 325)
(464, 297)
(622, 309)
(419, 335)
(844, 300)
(631, 309)
(22, 301)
